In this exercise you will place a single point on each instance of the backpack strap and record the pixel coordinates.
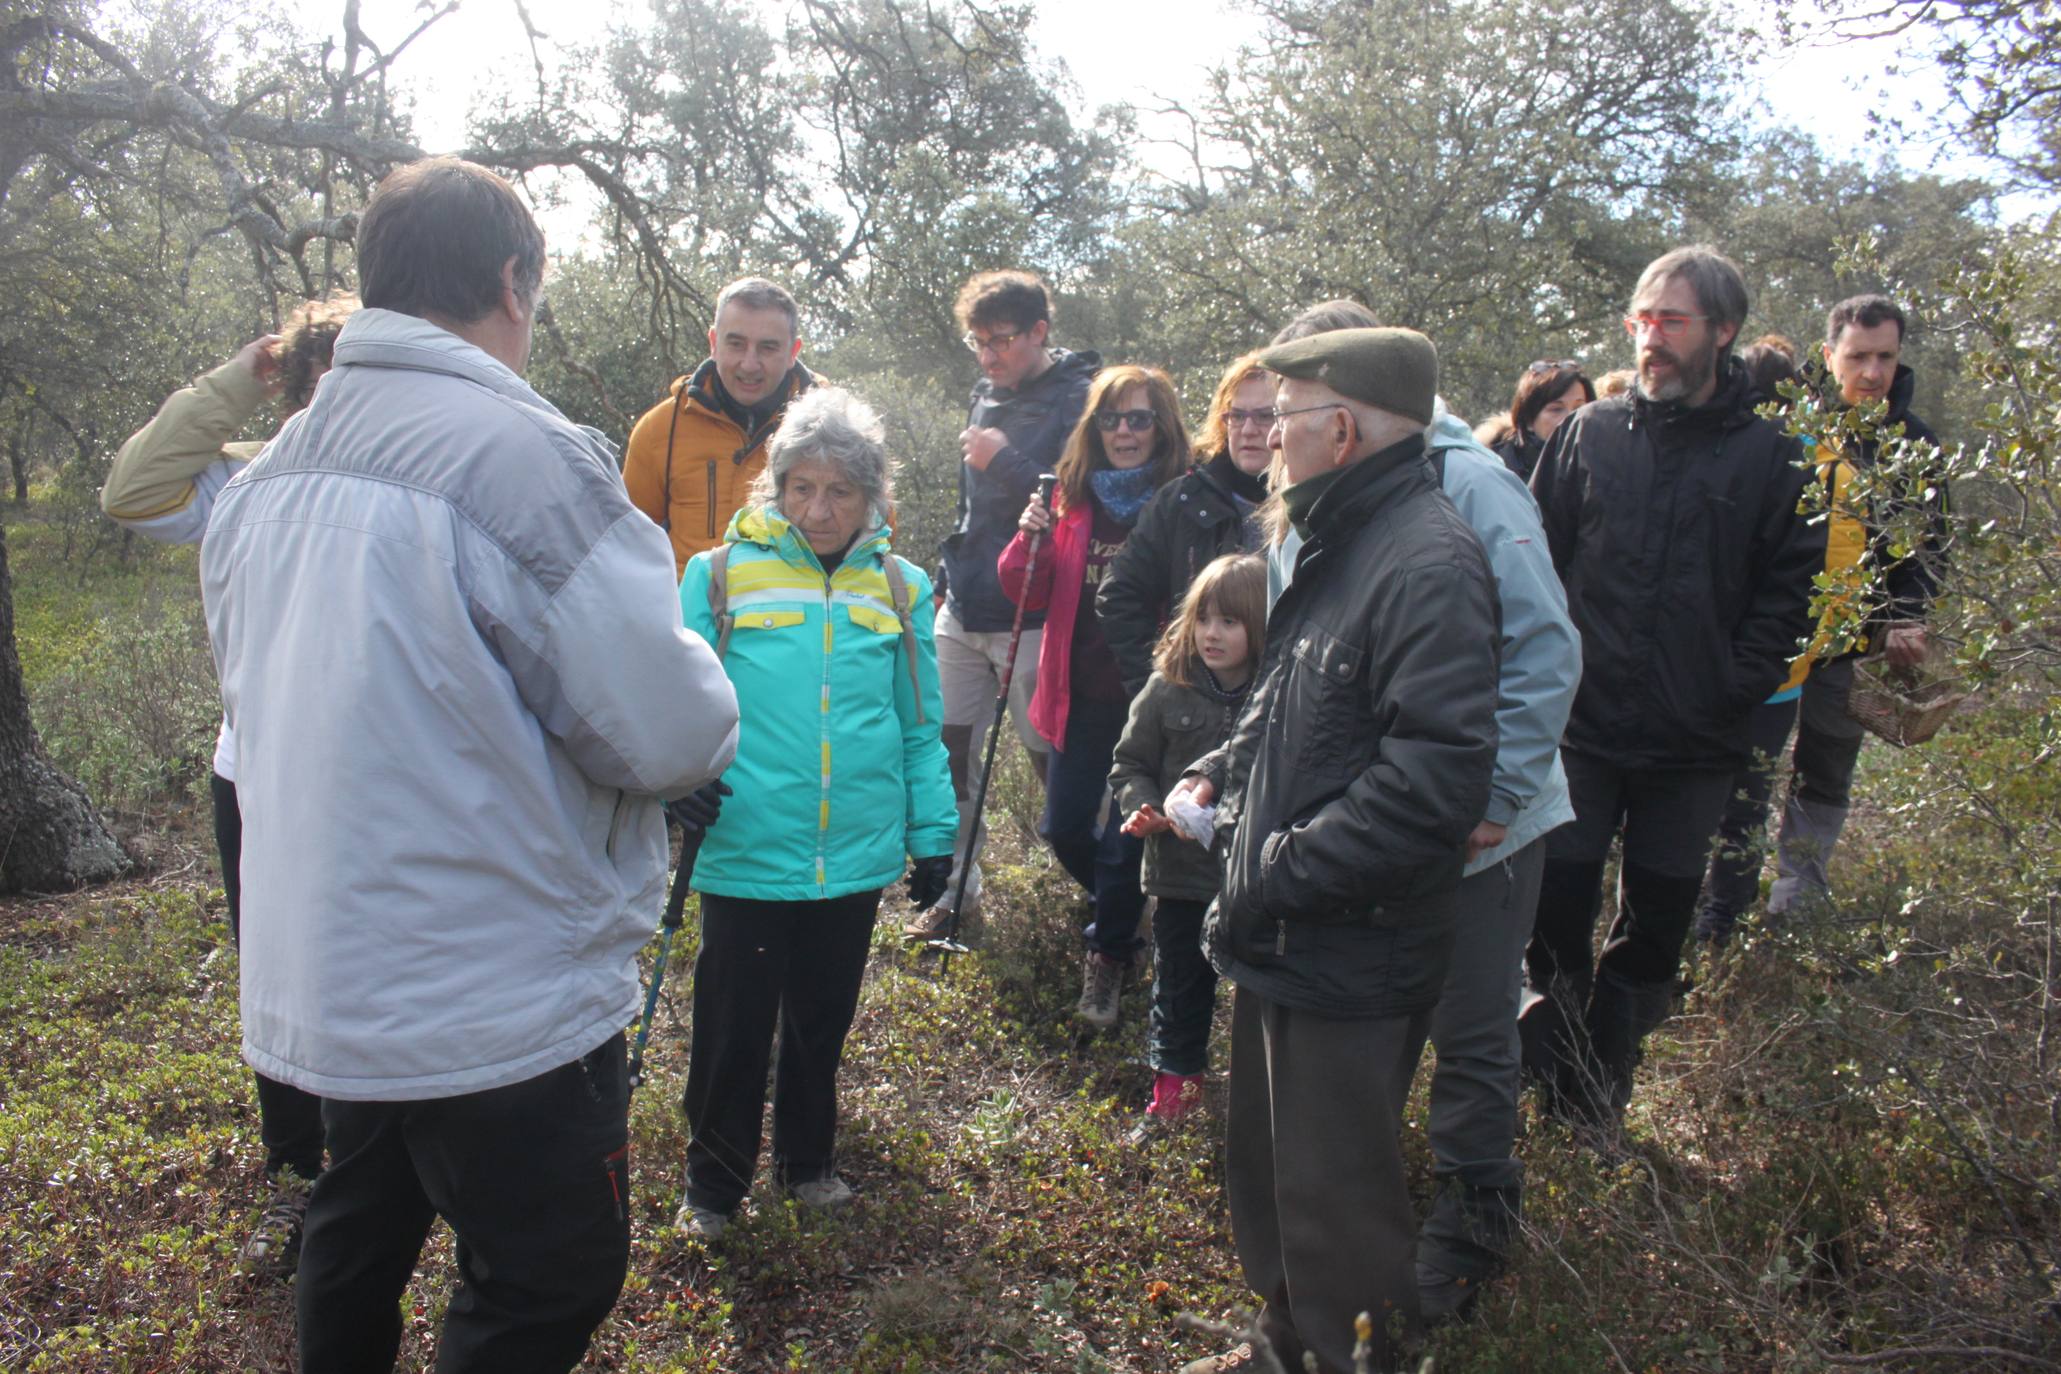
(898, 589)
(719, 595)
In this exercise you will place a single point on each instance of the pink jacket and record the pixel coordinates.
(1062, 555)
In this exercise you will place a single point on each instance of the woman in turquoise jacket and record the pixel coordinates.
(840, 777)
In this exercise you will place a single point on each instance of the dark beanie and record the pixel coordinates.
(1391, 369)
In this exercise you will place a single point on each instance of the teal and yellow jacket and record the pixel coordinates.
(839, 778)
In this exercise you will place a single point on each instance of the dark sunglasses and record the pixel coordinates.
(1136, 421)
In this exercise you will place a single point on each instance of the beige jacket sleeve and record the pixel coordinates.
(154, 474)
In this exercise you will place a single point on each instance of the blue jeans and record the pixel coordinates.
(1082, 826)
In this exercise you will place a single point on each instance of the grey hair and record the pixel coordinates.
(827, 424)
(756, 293)
(1325, 316)
(1719, 286)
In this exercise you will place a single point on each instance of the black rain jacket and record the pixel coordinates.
(1362, 759)
(1688, 571)
(1187, 523)
(1911, 582)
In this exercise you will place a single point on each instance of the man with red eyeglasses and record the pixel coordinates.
(1671, 513)
(1027, 401)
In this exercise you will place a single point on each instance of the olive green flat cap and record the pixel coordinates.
(1392, 369)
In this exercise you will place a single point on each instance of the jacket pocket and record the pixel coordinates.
(1325, 701)
(615, 824)
(769, 620)
(880, 622)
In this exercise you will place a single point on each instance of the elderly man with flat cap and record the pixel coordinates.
(1346, 795)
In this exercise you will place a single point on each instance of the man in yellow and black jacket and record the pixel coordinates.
(1864, 339)
(693, 457)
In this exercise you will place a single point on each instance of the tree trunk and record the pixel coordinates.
(51, 838)
(18, 459)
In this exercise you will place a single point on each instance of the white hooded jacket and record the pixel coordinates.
(451, 651)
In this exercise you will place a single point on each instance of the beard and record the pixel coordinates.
(1691, 372)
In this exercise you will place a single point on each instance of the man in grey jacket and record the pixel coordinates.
(1475, 1086)
(451, 651)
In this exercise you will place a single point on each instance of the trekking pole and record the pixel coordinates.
(674, 918)
(949, 943)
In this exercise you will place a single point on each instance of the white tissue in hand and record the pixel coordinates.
(1192, 822)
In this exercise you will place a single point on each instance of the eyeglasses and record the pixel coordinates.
(993, 343)
(1668, 323)
(1281, 415)
(1565, 364)
(1238, 419)
(1136, 421)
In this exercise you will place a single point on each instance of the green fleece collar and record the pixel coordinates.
(1301, 498)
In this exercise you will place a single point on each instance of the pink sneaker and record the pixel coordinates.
(1174, 1095)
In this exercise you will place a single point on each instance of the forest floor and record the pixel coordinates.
(1797, 1187)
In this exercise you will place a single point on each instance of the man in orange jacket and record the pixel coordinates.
(694, 455)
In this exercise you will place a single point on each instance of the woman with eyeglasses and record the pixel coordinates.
(1206, 513)
(1129, 443)
(1547, 393)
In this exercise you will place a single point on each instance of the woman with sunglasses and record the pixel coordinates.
(1191, 522)
(1547, 393)
(1129, 443)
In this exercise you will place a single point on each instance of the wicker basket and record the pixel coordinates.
(1905, 706)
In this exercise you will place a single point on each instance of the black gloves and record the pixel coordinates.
(928, 879)
(698, 809)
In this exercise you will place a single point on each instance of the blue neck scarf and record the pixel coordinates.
(1122, 491)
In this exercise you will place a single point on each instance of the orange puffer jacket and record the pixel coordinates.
(690, 466)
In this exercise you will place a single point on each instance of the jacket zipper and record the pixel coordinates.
(711, 498)
(1280, 937)
(823, 715)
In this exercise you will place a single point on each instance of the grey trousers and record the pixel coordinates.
(1320, 1208)
(1828, 744)
(1474, 1086)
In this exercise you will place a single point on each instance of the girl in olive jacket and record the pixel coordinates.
(1202, 671)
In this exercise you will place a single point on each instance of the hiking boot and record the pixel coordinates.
(1240, 1359)
(1444, 1297)
(1174, 1095)
(704, 1224)
(823, 1194)
(932, 922)
(273, 1250)
(1102, 978)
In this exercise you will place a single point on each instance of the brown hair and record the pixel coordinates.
(1771, 360)
(1005, 297)
(1616, 382)
(1215, 437)
(435, 236)
(1539, 387)
(306, 343)
(1236, 586)
(1084, 452)
(1867, 312)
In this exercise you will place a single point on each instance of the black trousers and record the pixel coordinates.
(1184, 988)
(289, 1118)
(794, 966)
(534, 1181)
(1668, 817)
(1734, 879)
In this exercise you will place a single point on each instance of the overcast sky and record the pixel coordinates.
(1126, 50)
